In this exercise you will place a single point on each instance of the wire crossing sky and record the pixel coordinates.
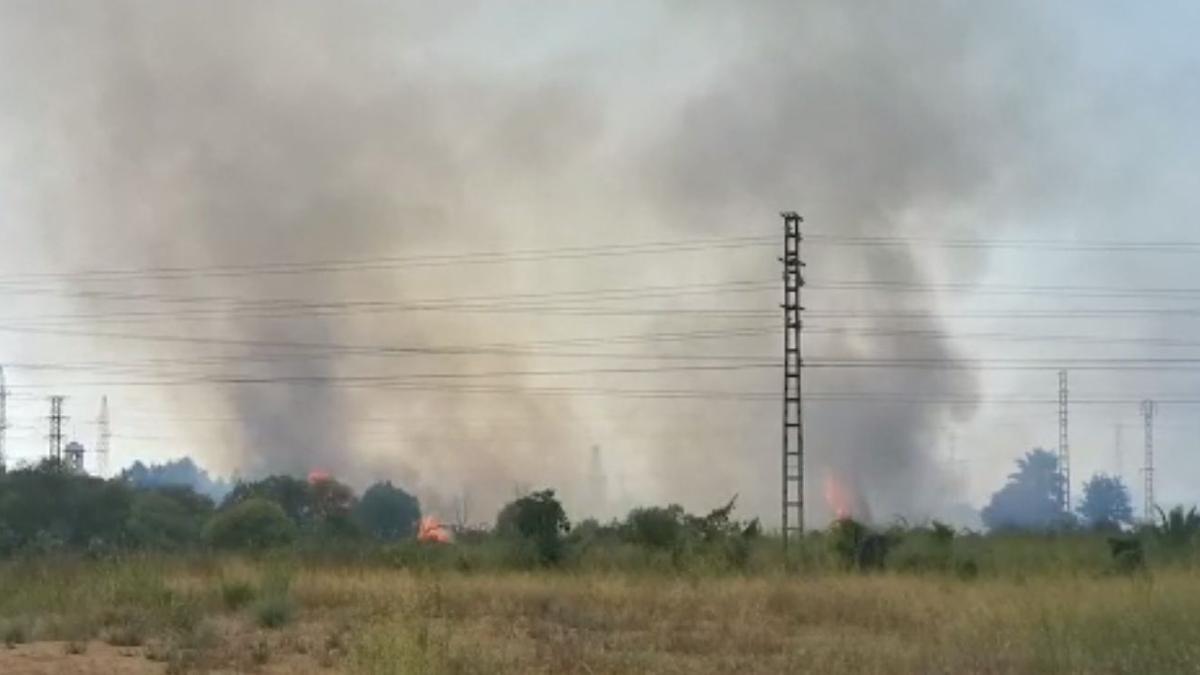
(459, 247)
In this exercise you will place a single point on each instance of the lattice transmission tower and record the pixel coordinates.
(103, 439)
(1148, 466)
(3, 422)
(1064, 445)
(793, 415)
(56, 427)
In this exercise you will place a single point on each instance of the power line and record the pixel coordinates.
(398, 262)
(386, 350)
(227, 307)
(893, 286)
(400, 378)
(1055, 314)
(1099, 245)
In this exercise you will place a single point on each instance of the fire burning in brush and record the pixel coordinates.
(840, 498)
(431, 531)
(318, 476)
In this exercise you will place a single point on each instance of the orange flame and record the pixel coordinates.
(432, 531)
(318, 476)
(838, 497)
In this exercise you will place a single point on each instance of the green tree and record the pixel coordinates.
(1105, 503)
(321, 507)
(655, 526)
(388, 512)
(50, 506)
(540, 519)
(293, 495)
(168, 518)
(254, 523)
(331, 509)
(1030, 498)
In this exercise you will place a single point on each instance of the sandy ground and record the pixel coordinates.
(98, 658)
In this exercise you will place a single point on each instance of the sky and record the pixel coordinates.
(459, 248)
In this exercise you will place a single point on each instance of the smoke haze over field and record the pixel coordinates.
(213, 136)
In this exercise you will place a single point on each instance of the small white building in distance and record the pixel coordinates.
(73, 456)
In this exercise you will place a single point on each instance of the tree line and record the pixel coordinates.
(47, 507)
(1031, 498)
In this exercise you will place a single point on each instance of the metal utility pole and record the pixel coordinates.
(104, 438)
(1148, 468)
(56, 423)
(793, 414)
(1064, 446)
(3, 422)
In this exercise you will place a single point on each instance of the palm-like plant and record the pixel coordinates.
(1178, 527)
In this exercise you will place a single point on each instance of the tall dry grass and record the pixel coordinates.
(368, 618)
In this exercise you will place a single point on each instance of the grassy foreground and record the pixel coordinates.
(231, 614)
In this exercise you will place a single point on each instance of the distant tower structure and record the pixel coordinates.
(597, 485)
(793, 415)
(3, 422)
(462, 511)
(1118, 451)
(73, 457)
(1148, 468)
(56, 426)
(104, 437)
(1064, 445)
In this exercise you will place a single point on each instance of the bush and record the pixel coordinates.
(540, 519)
(857, 547)
(130, 634)
(1127, 555)
(655, 527)
(1177, 528)
(166, 519)
(15, 633)
(273, 611)
(922, 549)
(388, 512)
(237, 594)
(254, 523)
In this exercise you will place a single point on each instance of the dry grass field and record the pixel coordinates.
(155, 615)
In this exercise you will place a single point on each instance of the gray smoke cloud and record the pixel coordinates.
(149, 134)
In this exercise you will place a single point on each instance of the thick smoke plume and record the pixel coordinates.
(223, 134)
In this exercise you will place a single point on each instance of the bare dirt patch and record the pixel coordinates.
(97, 658)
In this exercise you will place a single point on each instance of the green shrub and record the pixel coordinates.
(923, 549)
(538, 518)
(655, 527)
(273, 611)
(388, 512)
(1177, 528)
(857, 547)
(237, 594)
(167, 518)
(130, 634)
(1127, 555)
(254, 523)
(845, 537)
(15, 633)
